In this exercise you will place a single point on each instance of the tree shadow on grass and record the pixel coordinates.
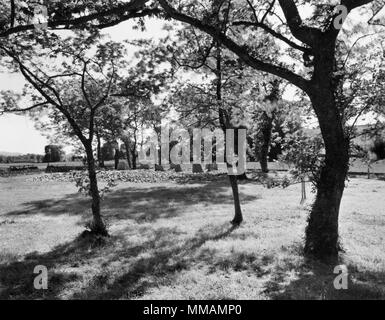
(152, 270)
(314, 280)
(139, 203)
(119, 269)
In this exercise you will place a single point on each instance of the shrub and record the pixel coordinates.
(63, 169)
(178, 168)
(144, 167)
(378, 148)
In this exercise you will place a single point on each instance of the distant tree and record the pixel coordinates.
(108, 151)
(53, 153)
(378, 148)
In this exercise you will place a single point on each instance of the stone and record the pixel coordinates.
(178, 168)
(212, 167)
(123, 165)
(197, 168)
(159, 167)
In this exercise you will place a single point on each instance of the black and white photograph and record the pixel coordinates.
(192, 156)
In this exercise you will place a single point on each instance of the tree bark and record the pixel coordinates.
(99, 151)
(97, 227)
(134, 151)
(238, 217)
(322, 237)
(225, 123)
(133, 156)
(127, 149)
(116, 158)
(266, 130)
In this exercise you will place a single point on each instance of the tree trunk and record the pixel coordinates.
(97, 227)
(242, 177)
(224, 119)
(266, 131)
(127, 149)
(133, 155)
(238, 218)
(116, 158)
(134, 152)
(322, 238)
(99, 151)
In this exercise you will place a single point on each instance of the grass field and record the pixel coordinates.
(174, 241)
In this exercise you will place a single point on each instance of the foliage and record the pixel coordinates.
(379, 148)
(82, 182)
(53, 153)
(303, 152)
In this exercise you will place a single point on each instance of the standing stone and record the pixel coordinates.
(197, 168)
(178, 168)
(123, 165)
(159, 167)
(212, 167)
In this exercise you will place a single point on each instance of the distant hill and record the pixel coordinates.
(10, 154)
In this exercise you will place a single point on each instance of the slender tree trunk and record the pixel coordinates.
(224, 120)
(322, 238)
(133, 156)
(98, 227)
(238, 217)
(242, 177)
(99, 151)
(134, 152)
(266, 130)
(116, 158)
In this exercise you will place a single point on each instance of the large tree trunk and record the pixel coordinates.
(322, 237)
(97, 227)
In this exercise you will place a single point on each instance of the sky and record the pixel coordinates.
(17, 132)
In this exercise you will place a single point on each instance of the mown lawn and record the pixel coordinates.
(174, 241)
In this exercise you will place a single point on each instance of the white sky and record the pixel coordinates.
(17, 133)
